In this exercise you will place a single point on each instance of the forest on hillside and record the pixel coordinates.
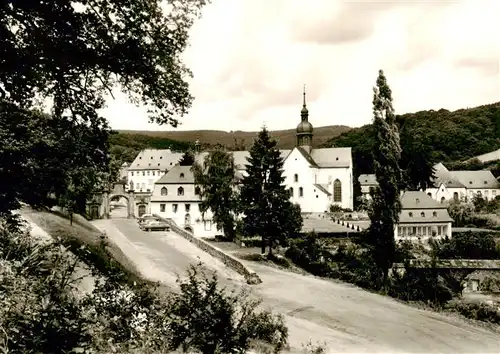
(438, 136)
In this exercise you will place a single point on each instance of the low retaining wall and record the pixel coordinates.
(250, 276)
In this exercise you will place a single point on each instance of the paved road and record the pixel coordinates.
(346, 318)
(162, 256)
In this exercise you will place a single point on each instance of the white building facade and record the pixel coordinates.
(422, 218)
(317, 179)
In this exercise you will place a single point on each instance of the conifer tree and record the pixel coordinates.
(264, 199)
(386, 205)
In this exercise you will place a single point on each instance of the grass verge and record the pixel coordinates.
(87, 243)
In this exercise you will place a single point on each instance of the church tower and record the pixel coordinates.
(304, 129)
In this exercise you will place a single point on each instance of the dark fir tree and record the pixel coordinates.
(264, 199)
(187, 159)
(216, 184)
(386, 205)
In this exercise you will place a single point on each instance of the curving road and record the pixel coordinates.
(346, 318)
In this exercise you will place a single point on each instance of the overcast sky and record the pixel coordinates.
(250, 59)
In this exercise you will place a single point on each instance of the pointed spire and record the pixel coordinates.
(304, 112)
(304, 94)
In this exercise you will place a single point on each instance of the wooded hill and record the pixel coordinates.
(127, 143)
(442, 136)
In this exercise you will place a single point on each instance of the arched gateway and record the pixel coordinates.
(99, 207)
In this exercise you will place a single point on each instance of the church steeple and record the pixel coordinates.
(304, 129)
(304, 113)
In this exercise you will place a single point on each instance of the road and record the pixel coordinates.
(345, 318)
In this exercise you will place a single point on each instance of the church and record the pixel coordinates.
(317, 179)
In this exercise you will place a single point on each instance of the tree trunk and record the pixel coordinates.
(71, 219)
(262, 245)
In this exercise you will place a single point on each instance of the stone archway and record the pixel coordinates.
(118, 191)
(114, 207)
(141, 210)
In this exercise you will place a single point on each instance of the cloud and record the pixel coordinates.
(250, 59)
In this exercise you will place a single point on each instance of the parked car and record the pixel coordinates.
(154, 225)
(147, 217)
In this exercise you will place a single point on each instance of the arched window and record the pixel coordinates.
(182, 175)
(291, 192)
(197, 190)
(429, 194)
(434, 213)
(180, 191)
(410, 214)
(422, 214)
(337, 191)
(295, 177)
(442, 199)
(301, 192)
(164, 191)
(455, 195)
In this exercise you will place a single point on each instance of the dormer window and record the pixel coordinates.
(366, 180)
(410, 214)
(182, 175)
(422, 214)
(158, 164)
(485, 182)
(434, 213)
(140, 157)
(161, 157)
(336, 158)
(180, 191)
(470, 182)
(151, 157)
(417, 200)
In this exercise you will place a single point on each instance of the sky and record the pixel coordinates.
(251, 58)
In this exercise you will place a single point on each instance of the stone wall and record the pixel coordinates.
(250, 276)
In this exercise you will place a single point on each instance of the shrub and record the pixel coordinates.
(205, 318)
(468, 245)
(475, 310)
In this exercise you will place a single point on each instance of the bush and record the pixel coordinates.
(479, 311)
(468, 245)
(205, 318)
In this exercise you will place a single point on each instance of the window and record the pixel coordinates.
(197, 190)
(188, 207)
(337, 191)
(485, 182)
(153, 173)
(301, 192)
(208, 225)
(479, 194)
(143, 173)
(410, 214)
(429, 194)
(455, 195)
(132, 174)
(414, 230)
(161, 157)
(494, 193)
(182, 175)
(148, 173)
(162, 208)
(151, 157)
(137, 186)
(442, 199)
(440, 230)
(422, 214)
(164, 191)
(434, 213)
(295, 177)
(291, 192)
(180, 191)
(174, 208)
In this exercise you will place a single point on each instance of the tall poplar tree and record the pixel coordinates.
(386, 206)
(264, 199)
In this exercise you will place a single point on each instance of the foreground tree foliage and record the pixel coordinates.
(217, 184)
(205, 318)
(265, 200)
(386, 203)
(43, 311)
(76, 52)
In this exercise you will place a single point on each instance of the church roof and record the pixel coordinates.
(444, 176)
(155, 159)
(177, 175)
(332, 157)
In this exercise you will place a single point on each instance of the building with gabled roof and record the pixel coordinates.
(461, 184)
(317, 179)
(367, 182)
(422, 217)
